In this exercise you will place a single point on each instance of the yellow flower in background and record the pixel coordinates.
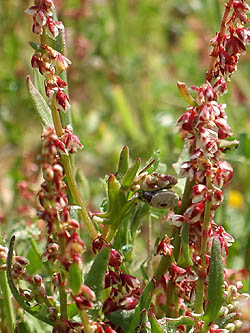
(235, 199)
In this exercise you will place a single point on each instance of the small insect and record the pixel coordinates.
(160, 199)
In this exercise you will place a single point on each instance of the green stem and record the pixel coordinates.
(111, 234)
(149, 247)
(172, 301)
(162, 267)
(8, 308)
(77, 196)
(85, 321)
(71, 179)
(165, 261)
(7, 301)
(63, 301)
(14, 290)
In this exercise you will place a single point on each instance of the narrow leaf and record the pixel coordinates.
(215, 284)
(40, 104)
(75, 277)
(155, 327)
(121, 318)
(130, 174)
(145, 301)
(18, 298)
(185, 93)
(185, 256)
(96, 275)
(123, 163)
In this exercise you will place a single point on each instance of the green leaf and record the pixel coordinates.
(215, 284)
(40, 104)
(37, 47)
(96, 275)
(229, 144)
(130, 175)
(145, 301)
(123, 163)
(224, 321)
(22, 327)
(121, 318)
(18, 298)
(170, 324)
(185, 93)
(185, 259)
(155, 327)
(75, 277)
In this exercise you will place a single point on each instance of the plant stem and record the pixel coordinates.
(203, 251)
(63, 299)
(172, 301)
(165, 261)
(85, 321)
(7, 301)
(6, 296)
(149, 266)
(77, 196)
(71, 179)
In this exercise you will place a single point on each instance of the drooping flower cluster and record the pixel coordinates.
(125, 289)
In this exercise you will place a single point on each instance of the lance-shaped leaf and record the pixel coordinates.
(37, 47)
(215, 297)
(40, 104)
(155, 326)
(130, 175)
(37, 314)
(75, 277)
(144, 303)
(185, 259)
(96, 275)
(185, 93)
(229, 144)
(123, 163)
(170, 324)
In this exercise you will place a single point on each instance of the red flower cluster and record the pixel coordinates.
(61, 227)
(125, 289)
(42, 17)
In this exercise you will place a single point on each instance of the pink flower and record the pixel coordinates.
(71, 141)
(194, 212)
(175, 219)
(62, 101)
(165, 247)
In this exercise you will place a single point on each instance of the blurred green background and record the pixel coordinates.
(127, 56)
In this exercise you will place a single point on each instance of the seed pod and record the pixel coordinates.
(162, 199)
